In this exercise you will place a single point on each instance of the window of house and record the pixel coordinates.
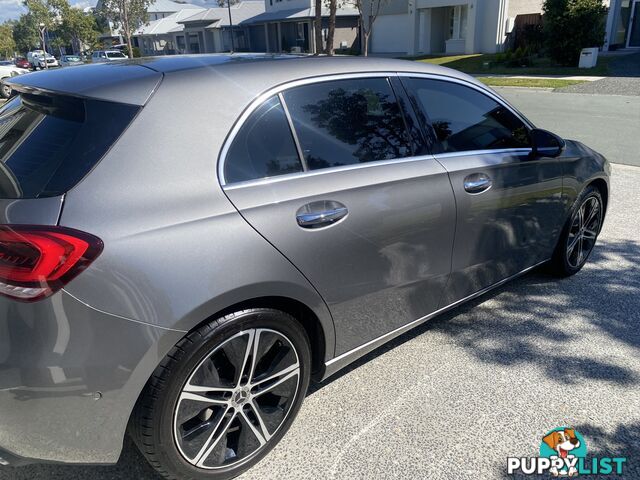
(464, 119)
(457, 22)
(263, 147)
(346, 122)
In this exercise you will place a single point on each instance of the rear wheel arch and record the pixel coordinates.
(319, 339)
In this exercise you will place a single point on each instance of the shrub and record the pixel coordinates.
(570, 26)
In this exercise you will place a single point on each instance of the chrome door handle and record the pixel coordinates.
(477, 183)
(321, 214)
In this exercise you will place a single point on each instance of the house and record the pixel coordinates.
(421, 27)
(199, 30)
(157, 10)
(211, 30)
(623, 25)
(289, 26)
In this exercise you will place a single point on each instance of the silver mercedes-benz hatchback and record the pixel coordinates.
(186, 241)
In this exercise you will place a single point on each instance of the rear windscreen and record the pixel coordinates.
(48, 143)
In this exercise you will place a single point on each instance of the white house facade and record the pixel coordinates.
(623, 25)
(423, 27)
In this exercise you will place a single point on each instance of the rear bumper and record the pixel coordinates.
(69, 378)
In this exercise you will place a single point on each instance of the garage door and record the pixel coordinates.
(390, 34)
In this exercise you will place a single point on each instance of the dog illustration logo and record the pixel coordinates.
(566, 444)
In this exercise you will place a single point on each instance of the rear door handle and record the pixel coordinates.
(477, 183)
(320, 214)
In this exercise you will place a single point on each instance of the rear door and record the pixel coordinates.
(509, 206)
(328, 173)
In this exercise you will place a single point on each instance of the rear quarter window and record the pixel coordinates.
(48, 143)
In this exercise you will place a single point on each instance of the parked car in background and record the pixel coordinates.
(103, 56)
(326, 206)
(38, 60)
(5, 63)
(8, 71)
(22, 62)
(70, 60)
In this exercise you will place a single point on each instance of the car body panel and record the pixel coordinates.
(180, 281)
(130, 84)
(177, 251)
(72, 372)
(382, 266)
(507, 228)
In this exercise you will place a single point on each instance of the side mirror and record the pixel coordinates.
(545, 143)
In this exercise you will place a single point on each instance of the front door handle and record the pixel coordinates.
(477, 183)
(320, 214)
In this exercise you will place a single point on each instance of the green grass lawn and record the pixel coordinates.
(528, 82)
(476, 64)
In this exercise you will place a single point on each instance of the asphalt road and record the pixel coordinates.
(608, 123)
(454, 398)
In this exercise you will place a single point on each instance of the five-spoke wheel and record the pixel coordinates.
(224, 396)
(580, 233)
(584, 231)
(237, 398)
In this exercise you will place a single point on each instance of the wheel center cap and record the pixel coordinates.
(240, 397)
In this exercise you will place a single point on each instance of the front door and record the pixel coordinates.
(509, 206)
(369, 224)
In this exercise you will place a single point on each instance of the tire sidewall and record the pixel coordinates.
(222, 331)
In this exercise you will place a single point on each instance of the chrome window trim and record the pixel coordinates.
(278, 90)
(358, 166)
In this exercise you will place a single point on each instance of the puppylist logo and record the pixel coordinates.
(563, 453)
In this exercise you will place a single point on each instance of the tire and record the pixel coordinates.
(218, 433)
(5, 90)
(577, 239)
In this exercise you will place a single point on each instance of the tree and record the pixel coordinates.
(78, 28)
(333, 8)
(7, 43)
(368, 11)
(127, 15)
(26, 33)
(318, 27)
(570, 26)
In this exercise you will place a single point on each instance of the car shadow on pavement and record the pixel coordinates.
(503, 327)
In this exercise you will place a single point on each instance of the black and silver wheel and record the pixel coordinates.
(579, 234)
(224, 396)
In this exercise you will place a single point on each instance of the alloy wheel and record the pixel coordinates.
(236, 399)
(584, 231)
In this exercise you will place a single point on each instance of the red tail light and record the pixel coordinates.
(36, 261)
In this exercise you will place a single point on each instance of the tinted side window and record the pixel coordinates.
(263, 147)
(348, 121)
(464, 119)
(48, 143)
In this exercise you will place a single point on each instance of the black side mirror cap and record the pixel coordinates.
(545, 143)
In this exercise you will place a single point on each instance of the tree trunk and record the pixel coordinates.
(127, 32)
(365, 44)
(318, 27)
(333, 7)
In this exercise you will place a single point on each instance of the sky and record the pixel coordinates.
(12, 9)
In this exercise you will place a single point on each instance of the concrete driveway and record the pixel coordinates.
(457, 396)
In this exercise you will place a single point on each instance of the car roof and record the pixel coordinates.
(134, 80)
